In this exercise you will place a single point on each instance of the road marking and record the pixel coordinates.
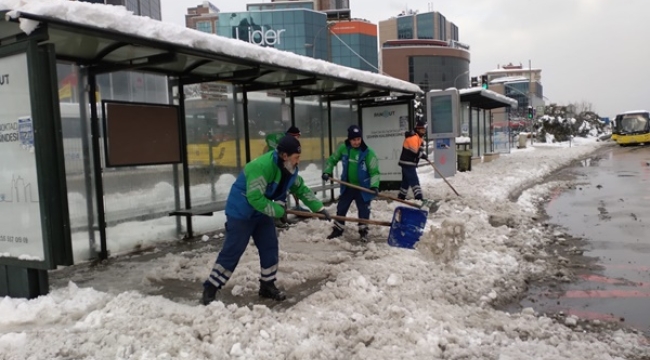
(577, 294)
(592, 315)
(612, 281)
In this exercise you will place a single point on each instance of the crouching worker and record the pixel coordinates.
(255, 199)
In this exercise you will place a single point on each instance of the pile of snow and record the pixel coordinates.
(346, 300)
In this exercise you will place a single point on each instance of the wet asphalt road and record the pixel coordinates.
(609, 207)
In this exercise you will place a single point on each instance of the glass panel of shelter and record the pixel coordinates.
(216, 153)
(131, 194)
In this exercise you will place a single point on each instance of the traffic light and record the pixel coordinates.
(484, 81)
(530, 112)
(474, 81)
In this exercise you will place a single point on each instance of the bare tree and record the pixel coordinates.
(581, 106)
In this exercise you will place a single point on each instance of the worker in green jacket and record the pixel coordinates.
(271, 143)
(273, 139)
(257, 196)
(361, 168)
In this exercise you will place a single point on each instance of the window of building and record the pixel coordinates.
(405, 27)
(288, 17)
(425, 26)
(438, 72)
(205, 26)
(442, 28)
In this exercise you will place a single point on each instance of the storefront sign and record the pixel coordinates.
(262, 36)
(20, 216)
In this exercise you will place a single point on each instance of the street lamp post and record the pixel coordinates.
(463, 73)
(313, 43)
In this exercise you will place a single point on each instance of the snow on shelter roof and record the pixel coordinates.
(203, 54)
(487, 99)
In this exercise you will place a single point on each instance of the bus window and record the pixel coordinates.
(632, 123)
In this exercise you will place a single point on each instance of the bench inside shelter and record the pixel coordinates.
(201, 210)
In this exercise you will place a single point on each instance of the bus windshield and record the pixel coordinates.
(632, 123)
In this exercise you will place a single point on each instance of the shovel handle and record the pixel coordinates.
(443, 178)
(339, 218)
(378, 195)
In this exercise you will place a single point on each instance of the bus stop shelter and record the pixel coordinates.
(35, 203)
(477, 123)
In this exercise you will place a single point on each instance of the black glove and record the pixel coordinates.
(325, 176)
(423, 156)
(376, 190)
(284, 218)
(327, 215)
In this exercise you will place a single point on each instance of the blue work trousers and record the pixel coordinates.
(345, 201)
(238, 234)
(410, 180)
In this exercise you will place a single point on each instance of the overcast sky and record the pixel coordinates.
(589, 50)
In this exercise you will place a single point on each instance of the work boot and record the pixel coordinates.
(363, 235)
(336, 232)
(270, 291)
(209, 293)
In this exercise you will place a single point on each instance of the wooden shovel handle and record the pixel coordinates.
(443, 178)
(378, 195)
(339, 218)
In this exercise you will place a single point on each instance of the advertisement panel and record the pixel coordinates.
(443, 114)
(20, 215)
(383, 131)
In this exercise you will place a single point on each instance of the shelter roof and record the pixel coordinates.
(485, 99)
(110, 38)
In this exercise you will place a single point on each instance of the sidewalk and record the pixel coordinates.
(346, 300)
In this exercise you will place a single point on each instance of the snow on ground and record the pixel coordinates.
(371, 301)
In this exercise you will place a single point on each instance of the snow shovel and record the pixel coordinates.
(380, 194)
(339, 218)
(443, 178)
(405, 230)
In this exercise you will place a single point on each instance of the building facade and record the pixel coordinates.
(150, 8)
(293, 30)
(282, 5)
(412, 25)
(203, 17)
(304, 31)
(319, 5)
(122, 85)
(424, 49)
(519, 83)
(431, 64)
(353, 43)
